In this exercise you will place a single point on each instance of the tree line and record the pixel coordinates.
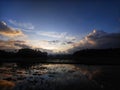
(78, 55)
(24, 53)
(111, 52)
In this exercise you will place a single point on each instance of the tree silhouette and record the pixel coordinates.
(24, 53)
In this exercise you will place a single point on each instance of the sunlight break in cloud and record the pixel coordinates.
(54, 46)
(8, 31)
(22, 25)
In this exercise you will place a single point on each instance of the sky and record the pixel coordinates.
(59, 26)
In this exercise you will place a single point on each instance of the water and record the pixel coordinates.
(38, 76)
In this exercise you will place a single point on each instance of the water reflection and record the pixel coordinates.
(35, 76)
(6, 85)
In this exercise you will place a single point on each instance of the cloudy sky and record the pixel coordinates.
(59, 26)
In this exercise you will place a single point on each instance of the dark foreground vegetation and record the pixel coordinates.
(86, 56)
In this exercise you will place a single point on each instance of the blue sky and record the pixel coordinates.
(74, 19)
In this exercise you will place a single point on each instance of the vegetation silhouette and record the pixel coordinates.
(98, 53)
(86, 56)
(98, 56)
(23, 55)
(31, 53)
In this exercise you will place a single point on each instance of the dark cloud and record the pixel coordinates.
(21, 44)
(98, 39)
(12, 44)
(69, 42)
(8, 31)
(61, 42)
(105, 40)
(54, 41)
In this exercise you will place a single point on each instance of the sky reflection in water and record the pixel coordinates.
(37, 76)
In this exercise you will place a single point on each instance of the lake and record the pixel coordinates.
(48, 76)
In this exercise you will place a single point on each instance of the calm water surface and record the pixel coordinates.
(37, 76)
